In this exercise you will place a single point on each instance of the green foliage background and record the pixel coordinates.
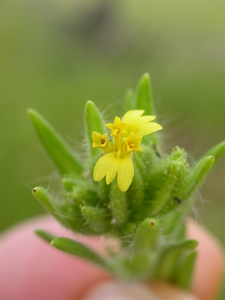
(56, 55)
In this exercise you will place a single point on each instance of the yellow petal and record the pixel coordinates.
(147, 118)
(111, 174)
(125, 173)
(103, 165)
(148, 128)
(132, 115)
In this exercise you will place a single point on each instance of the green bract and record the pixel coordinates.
(148, 220)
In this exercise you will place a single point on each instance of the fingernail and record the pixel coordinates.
(110, 290)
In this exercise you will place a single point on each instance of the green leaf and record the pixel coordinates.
(79, 250)
(59, 151)
(94, 122)
(128, 100)
(217, 151)
(147, 235)
(198, 174)
(46, 236)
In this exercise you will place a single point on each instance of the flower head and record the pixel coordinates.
(127, 135)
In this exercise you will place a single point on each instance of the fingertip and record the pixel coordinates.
(209, 268)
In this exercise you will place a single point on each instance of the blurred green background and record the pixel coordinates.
(55, 55)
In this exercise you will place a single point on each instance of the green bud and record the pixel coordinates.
(96, 218)
(68, 183)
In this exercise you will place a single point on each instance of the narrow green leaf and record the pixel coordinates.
(185, 272)
(59, 151)
(144, 98)
(55, 210)
(198, 174)
(96, 218)
(94, 122)
(147, 235)
(217, 151)
(46, 236)
(169, 256)
(45, 199)
(128, 100)
(79, 250)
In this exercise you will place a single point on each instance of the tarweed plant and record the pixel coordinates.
(126, 188)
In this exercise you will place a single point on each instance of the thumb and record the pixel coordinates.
(111, 290)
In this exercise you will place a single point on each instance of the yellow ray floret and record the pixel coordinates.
(127, 135)
(109, 165)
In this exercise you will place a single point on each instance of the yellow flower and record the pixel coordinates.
(117, 127)
(133, 143)
(99, 140)
(127, 135)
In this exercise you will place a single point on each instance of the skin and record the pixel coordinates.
(31, 269)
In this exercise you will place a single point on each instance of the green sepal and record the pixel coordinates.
(118, 204)
(46, 236)
(94, 122)
(147, 235)
(96, 218)
(216, 151)
(58, 150)
(198, 174)
(79, 250)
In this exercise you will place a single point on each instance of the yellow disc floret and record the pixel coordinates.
(99, 140)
